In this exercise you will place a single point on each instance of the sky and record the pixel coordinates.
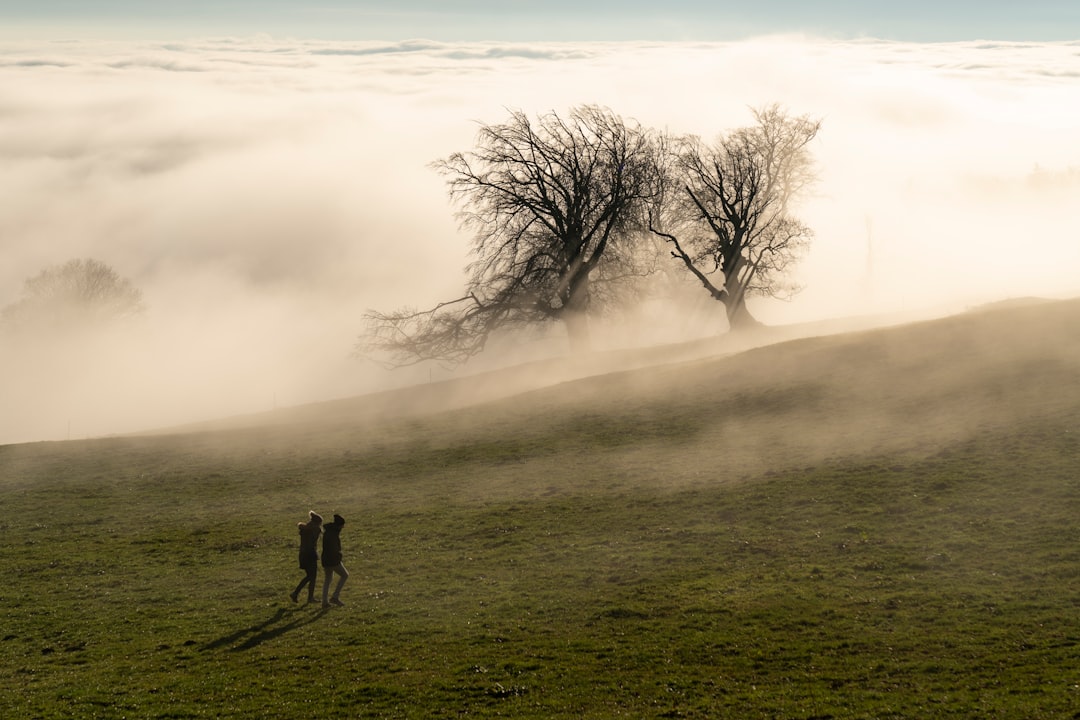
(564, 20)
(263, 172)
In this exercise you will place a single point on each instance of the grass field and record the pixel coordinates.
(874, 525)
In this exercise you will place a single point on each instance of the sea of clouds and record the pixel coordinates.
(263, 193)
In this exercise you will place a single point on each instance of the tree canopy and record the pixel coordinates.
(563, 210)
(78, 294)
(555, 205)
(727, 208)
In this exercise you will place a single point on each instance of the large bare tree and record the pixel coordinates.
(555, 205)
(79, 294)
(726, 211)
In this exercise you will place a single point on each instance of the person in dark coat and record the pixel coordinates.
(331, 561)
(309, 555)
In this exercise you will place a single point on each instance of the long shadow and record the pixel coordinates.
(266, 630)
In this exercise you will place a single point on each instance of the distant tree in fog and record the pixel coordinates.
(78, 294)
(726, 208)
(556, 205)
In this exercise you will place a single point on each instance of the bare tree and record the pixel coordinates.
(726, 213)
(555, 205)
(78, 294)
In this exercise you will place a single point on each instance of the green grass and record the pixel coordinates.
(618, 548)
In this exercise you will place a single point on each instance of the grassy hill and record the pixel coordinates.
(873, 525)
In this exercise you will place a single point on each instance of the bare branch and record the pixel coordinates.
(733, 207)
(550, 202)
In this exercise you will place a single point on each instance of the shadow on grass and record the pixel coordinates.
(275, 626)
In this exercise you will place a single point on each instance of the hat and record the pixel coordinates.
(338, 519)
(315, 516)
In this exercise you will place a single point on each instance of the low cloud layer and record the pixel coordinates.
(264, 193)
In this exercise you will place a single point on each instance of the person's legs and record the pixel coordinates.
(296, 593)
(328, 575)
(307, 579)
(340, 570)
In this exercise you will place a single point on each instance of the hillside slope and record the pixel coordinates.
(880, 524)
(906, 389)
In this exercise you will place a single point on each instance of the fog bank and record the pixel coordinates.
(263, 193)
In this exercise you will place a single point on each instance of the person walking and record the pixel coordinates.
(309, 555)
(331, 561)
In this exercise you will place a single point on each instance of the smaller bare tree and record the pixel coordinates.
(79, 294)
(726, 210)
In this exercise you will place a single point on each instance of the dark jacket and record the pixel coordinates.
(309, 538)
(331, 545)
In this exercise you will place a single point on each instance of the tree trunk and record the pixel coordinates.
(738, 317)
(577, 332)
(734, 299)
(575, 315)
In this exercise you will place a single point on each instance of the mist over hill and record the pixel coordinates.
(909, 389)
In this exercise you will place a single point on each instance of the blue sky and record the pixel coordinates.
(530, 20)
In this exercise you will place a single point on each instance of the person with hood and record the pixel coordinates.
(331, 561)
(309, 555)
